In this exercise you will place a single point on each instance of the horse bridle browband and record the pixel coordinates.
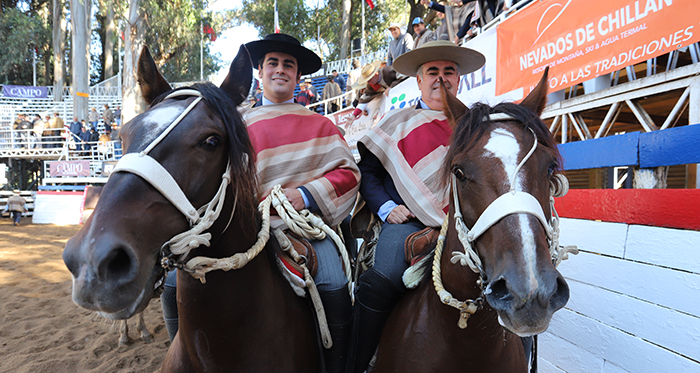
(146, 167)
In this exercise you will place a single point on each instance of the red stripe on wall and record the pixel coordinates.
(671, 208)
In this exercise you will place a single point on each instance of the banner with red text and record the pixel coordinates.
(582, 39)
(69, 169)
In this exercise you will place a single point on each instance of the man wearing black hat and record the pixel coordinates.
(402, 157)
(306, 154)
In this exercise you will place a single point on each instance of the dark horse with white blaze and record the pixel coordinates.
(507, 155)
(247, 319)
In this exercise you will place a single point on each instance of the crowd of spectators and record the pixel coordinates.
(52, 132)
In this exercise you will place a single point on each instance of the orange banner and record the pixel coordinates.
(582, 39)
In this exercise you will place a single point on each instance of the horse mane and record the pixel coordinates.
(241, 154)
(473, 126)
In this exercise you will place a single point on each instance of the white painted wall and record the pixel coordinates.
(61, 208)
(635, 301)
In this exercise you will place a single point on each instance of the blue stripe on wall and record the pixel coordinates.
(619, 150)
(670, 147)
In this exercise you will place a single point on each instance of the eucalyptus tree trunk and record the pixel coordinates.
(59, 50)
(134, 36)
(80, 49)
(109, 38)
(345, 30)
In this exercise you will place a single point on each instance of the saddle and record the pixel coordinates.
(290, 267)
(419, 244)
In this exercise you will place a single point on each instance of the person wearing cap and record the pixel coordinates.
(312, 89)
(305, 153)
(401, 44)
(374, 80)
(423, 35)
(401, 162)
(16, 205)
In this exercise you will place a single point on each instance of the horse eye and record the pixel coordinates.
(459, 173)
(211, 142)
(552, 167)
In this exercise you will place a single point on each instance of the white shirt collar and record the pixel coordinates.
(265, 101)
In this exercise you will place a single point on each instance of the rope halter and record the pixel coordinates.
(512, 202)
(149, 169)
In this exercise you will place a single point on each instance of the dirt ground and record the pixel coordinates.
(42, 330)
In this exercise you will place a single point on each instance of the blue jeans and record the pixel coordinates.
(389, 258)
(16, 216)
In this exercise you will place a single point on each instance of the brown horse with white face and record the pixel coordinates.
(186, 188)
(499, 168)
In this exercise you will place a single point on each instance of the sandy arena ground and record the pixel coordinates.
(42, 330)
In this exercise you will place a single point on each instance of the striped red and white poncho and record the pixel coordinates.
(411, 144)
(295, 147)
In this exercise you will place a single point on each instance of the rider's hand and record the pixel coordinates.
(400, 214)
(295, 198)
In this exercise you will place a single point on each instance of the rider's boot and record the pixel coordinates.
(338, 308)
(376, 297)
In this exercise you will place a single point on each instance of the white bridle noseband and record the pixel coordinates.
(152, 171)
(511, 202)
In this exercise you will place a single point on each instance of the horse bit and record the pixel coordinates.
(512, 202)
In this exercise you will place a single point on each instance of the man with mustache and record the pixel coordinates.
(401, 160)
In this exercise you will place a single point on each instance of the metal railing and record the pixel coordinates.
(344, 66)
(326, 103)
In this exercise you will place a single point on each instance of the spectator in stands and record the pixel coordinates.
(303, 97)
(107, 117)
(94, 136)
(423, 35)
(93, 117)
(75, 126)
(84, 140)
(56, 126)
(38, 126)
(463, 15)
(375, 80)
(338, 79)
(312, 90)
(16, 205)
(353, 75)
(401, 44)
(118, 116)
(330, 90)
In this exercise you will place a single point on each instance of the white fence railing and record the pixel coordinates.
(344, 66)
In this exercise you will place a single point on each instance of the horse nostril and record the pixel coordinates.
(115, 265)
(498, 292)
(560, 295)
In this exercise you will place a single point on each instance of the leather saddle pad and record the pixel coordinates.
(419, 244)
(304, 249)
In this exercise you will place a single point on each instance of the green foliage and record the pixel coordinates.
(293, 17)
(298, 20)
(20, 33)
(174, 34)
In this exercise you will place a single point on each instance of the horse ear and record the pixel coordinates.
(152, 83)
(537, 99)
(453, 108)
(240, 76)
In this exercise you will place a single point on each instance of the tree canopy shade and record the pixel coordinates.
(21, 32)
(304, 23)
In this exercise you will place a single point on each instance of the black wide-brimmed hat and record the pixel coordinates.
(307, 60)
